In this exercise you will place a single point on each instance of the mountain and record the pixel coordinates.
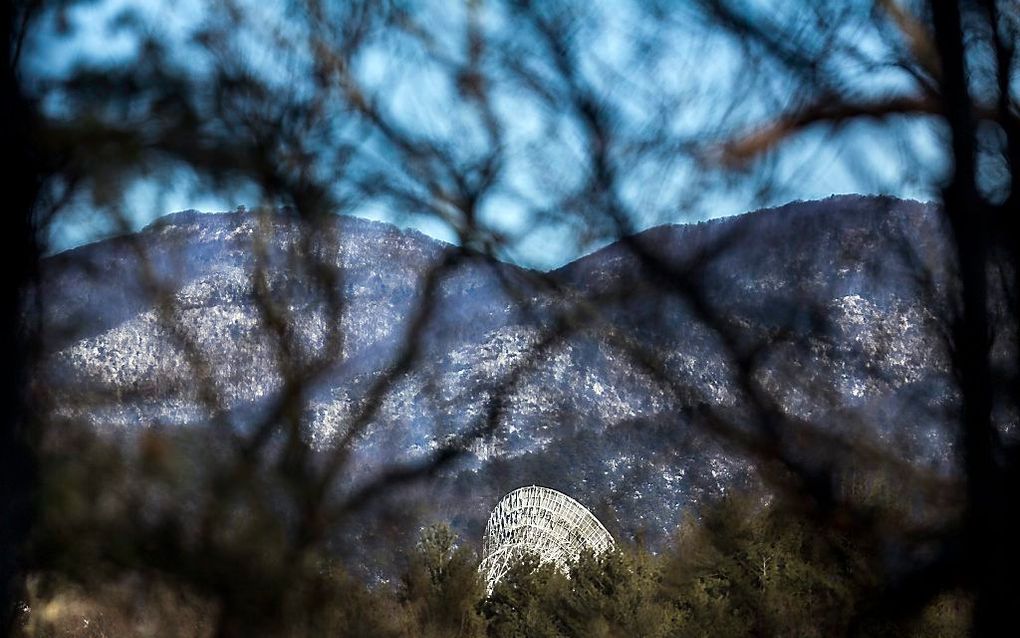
(846, 292)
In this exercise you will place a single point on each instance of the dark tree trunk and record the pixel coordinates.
(969, 217)
(19, 254)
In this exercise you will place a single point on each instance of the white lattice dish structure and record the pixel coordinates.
(542, 522)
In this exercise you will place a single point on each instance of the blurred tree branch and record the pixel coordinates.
(530, 111)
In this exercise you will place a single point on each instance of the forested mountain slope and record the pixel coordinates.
(844, 296)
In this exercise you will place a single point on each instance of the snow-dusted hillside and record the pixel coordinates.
(825, 282)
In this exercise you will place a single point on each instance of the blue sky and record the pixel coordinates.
(861, 158)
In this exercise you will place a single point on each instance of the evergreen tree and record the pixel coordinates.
(441, 587)
(522, 602)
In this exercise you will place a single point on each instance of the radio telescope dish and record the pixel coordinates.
(542, 522)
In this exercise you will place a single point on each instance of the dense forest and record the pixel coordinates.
(745, 565)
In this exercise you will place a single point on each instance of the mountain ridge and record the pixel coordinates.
(583, 417)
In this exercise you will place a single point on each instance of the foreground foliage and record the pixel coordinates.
(741, 568)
